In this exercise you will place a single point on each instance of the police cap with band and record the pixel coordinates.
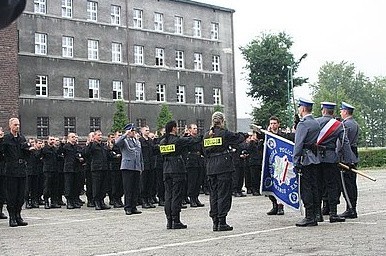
(305, 102)
(130, 127)
(327, 105)
(347, 106)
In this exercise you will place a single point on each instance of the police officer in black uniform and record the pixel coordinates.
(219, 168)
(172, 147)
(2, 180)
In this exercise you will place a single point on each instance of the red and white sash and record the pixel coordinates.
(327, 130)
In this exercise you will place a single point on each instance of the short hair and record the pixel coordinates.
(275, 118)
(308, 109)
(329, 111)
(169, 126)
(12, 119)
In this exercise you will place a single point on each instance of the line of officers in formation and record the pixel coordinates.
(140, 168)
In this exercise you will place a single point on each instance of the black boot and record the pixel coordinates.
(19, 219)
(222, 225)
(199, 204)
(35, 203)
(98, 205)
(350, 213)
(2, 215)
(169, 223)
(193, 202)
(46, 203)
(12, 217)
(334, 217)
(280, 209)
(145, 204)
(104, 206)
(325, 208)
(161, 202)
(274, 209)
(215, 223)
(28, 204)
(309, 220)
(318, 214)
(176, 222)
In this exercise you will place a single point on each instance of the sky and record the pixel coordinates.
(327, 30)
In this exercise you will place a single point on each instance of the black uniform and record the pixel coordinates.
(50, 170)
(219, 168)
(116, 176)
(2, 185)
(158, 166)
(34, 168)
(147, 175)
(255, 150)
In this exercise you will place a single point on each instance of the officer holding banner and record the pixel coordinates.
(305, 161)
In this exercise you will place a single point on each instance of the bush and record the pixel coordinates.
(372, 157)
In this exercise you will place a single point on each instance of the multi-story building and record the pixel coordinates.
(77, 58)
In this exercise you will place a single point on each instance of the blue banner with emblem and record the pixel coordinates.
(278, 177)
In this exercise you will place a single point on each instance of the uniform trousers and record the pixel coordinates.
(309, 189)
(174, 192)
(328, 176)
(194, 181)
(116, 184)
(70, 185)
(15, 192)
(32, 188)
(50, 185)
(350, 179)
(220, 195)
(160, 184)
(99, 184)
(130, 180)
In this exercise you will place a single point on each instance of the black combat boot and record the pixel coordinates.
(199, 204)
(98, 205)
(215, 223)
(325, 208)
(318, 214)
(12, 217)
(46, 203)
(222, 225)
(28, 204)
(176, 222)
(169, 223)
(334, 217)
(193, 202)
(274, 209)
(309, 220)
(145, 204)
(19, 219)
(350, 213)
(2, 215)
(280, 209)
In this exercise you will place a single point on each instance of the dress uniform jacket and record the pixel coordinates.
(50, 159)
(131, 153)
(16, 151)
(352, 131)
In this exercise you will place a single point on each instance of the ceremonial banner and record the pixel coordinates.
(278, 177)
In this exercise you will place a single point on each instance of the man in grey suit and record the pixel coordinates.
(131, 166)
(305, 161)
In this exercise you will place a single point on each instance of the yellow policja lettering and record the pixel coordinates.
(213, 142)
(167, 148)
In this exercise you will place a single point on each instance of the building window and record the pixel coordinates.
(115, 15)
(93, 46)
(69, 125)
(200, 126)
(180, 93)
(179, 59)
(138, 55)
(197, 61)
(117, 90)
(116, 52)
(42, 127)
(93, 88)
(67, 46)
(199, 95)
(137, 18)
(95, 124)
(140, 122)
(92, 11)
(158, 21)
(161, 92)
(178, 25)
(216, 96)
(197, 28)
(139, 91)
(41, 86)
(181, 125)
(40, 6)
(214, 31)
(159, 57)
(41, 43)
(216, 63)
(68, 87)
(67, 8)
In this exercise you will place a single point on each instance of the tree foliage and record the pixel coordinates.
(268, 61)
(120, 116)
(164, 116)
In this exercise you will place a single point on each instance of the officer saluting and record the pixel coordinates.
(219, 168)
(306, 160)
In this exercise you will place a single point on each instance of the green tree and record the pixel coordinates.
(120, 117)
(269, 63)
(164, 116)
(218, 108)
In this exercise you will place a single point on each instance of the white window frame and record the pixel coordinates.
(137, 18)
(197, 61)
(93, 49)
(180, 60)
(92, 11)
(67, 46)
(93, 84)
(138, 55)
(217, 96)
(178, 25)
(160, 57)
(115, 15)
(116, 52)
(41, 43)
(214, 31)
(40, 6)
(158, 21)
(118, 90)
(199, 95)
(161, 93)
(68, 87)
(216, 63)
(67, 8)
(140, 91)
(41, 82)
(197, 28)
(181, 94)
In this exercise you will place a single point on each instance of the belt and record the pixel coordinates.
(218, 154)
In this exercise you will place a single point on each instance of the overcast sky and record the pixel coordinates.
(327, 30)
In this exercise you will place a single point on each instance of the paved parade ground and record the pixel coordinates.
(86, 231)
